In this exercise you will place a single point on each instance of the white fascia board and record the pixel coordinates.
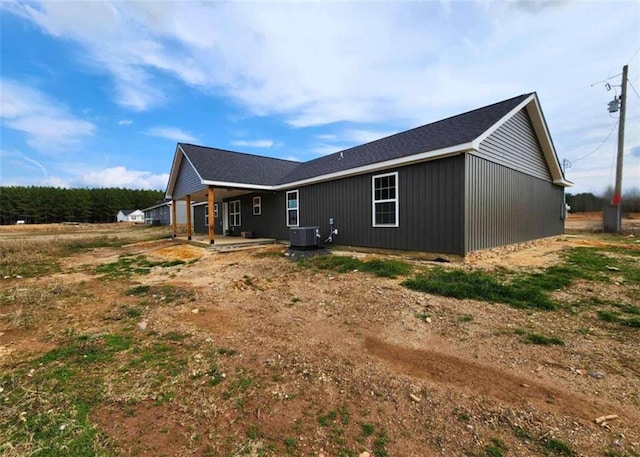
(563, 182)
(236, 185)
(173, 175)
(378, 166)
(549, 151)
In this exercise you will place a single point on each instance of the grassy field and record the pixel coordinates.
(112, 344)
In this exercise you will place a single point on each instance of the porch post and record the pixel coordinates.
(211, 213)
(174, 222)
(188, 217)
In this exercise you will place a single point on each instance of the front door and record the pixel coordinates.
(225, 218)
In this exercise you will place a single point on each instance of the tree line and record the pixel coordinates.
(588, 202)
(42, 205)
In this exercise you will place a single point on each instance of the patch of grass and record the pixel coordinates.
(254, 432)
(226, 351)
(290, 443)
(466, 318)
(537, 338)
(558, 447)
(84, 350)
(608, 316)
(522, 433)
(380, 443)
(175, 336)
(481, 286)
(142, 289)
(367, 429)
(127, 266)
(497, 448)
(269, 253)
(327, 419)
(387, 268)
(632, 322)
(215, 376)
(526, 290)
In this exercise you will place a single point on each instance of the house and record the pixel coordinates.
(130, 215)
(484, 178)
(161, 214)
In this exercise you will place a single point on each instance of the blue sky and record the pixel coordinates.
(97, 94)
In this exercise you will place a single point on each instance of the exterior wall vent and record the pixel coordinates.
(304, 237)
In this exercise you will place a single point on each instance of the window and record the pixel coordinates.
(385, 200)
(257, 206)
(234, 213)
(292, 208)
(206, 215)
(215, 210)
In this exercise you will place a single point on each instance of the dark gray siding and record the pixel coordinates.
(270, 224)
(431, 208)
(515, 145)
(505, 206)
(160, 215)
(187, 181)
(199, 225)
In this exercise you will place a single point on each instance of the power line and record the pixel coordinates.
(634, 89)
(634, 54)
(600, 145)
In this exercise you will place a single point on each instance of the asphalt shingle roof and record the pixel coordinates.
(227, 166)
(220, 165)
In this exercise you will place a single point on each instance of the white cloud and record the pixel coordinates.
(122, 177)
(48, 125)
(125, 122)
(172, 133)
(253, 143)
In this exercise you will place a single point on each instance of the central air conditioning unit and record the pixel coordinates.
(304, 237)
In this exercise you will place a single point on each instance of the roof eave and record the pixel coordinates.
(380, 166)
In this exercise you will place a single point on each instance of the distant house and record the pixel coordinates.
(160, 213)
(130, 215)
(484, 178)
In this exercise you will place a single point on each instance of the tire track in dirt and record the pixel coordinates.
(482, 379)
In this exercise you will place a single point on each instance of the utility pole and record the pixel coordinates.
(612, 220)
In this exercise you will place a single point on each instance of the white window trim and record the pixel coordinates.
(215, 211)
(257, 206)
(374, 201)
(206, 215)
(231, 214)
(296, 209)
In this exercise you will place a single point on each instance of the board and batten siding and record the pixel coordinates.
(430, 205)
(505, 206)
(515, 145)
(187, 181)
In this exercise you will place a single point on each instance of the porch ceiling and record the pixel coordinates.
(220, 193)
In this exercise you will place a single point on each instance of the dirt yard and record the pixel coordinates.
(159, 348)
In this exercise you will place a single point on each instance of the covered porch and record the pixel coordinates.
(210, 196)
